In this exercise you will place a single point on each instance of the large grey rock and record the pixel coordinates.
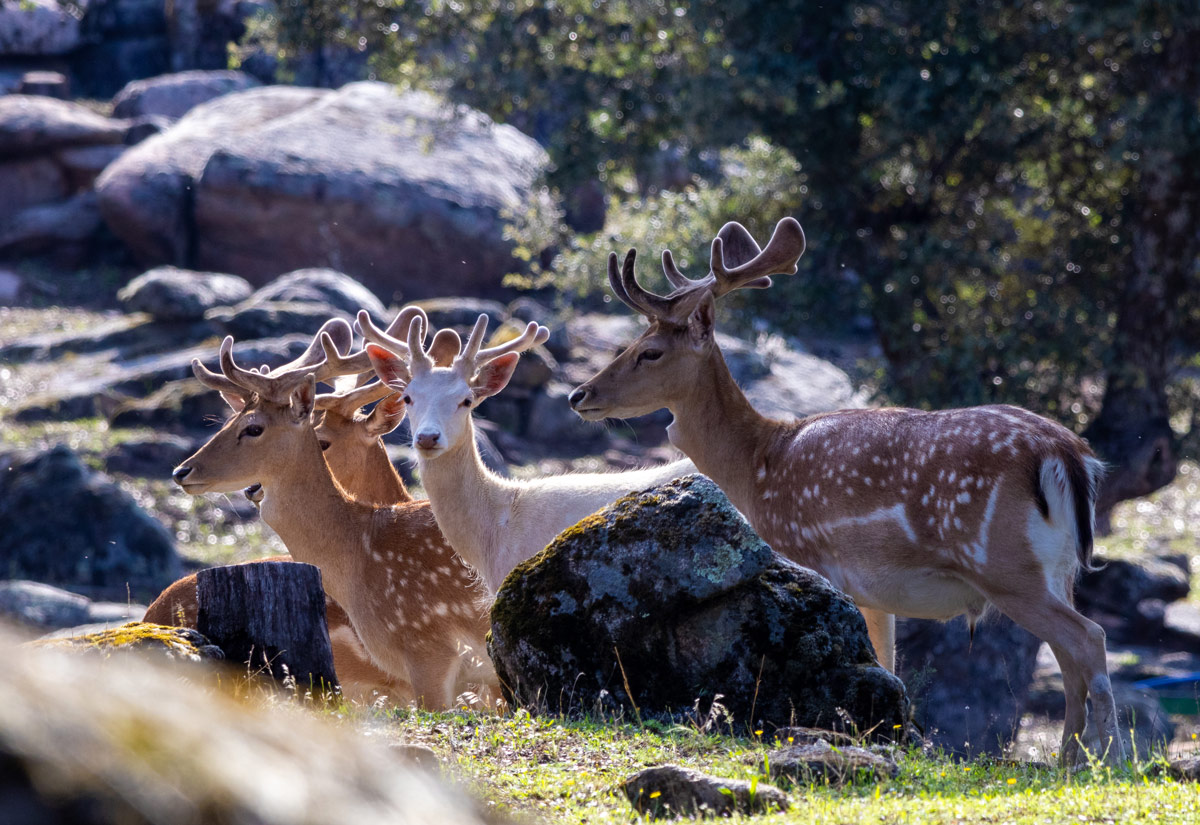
(414, 207)
(968, 694)
(299, 301)
(37, 28)
(96, 385)
(29, 182)
(675, 583)
(30, 124)
(462, 312)
(152, 457)
(1120, 584)
(321, 286)
(52, 226)
(174, 95)
(171, 294)
(147, 196)
(46, 84)
(41, 605)
(64, 524)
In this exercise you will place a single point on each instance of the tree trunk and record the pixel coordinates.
(1132, 432)
(270, 617)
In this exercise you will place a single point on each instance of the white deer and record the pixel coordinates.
(922, 514)
(493, 523)
(411, 601)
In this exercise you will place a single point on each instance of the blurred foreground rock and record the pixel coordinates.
(62, 523)
(261, 181)
(667, 600)
(94, 741)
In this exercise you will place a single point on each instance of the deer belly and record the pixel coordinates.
(915, 594)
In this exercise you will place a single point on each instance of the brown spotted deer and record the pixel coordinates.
(413, 604)
(353, 452)
(922, 514)
(494, 523)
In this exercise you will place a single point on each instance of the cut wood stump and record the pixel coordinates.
(269, 617)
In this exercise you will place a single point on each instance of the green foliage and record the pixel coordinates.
(980, 178)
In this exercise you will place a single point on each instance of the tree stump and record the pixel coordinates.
(270, 617)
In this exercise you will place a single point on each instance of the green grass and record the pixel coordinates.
(569, 771)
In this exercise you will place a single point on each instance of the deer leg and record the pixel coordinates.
(433, 679)
(1078, 644)
(1075, 718)
(881, 628)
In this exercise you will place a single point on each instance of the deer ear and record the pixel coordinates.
(700, 322)
(494, 375)
(386, 416)
(235, 402)
(389, 366)
(303, 399)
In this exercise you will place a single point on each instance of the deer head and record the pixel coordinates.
(272, 415)
(443, 384)
(664, 360)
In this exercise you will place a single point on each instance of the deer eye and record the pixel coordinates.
(407, 400)
(254, 430)
(649, 355)
(466, 403)
(324, 444)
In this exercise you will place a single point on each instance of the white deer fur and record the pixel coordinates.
(493, 523)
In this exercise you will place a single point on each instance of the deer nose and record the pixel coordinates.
(578, 397)
(180, 474)
(427, 441)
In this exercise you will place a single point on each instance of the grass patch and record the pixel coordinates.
(570, 771)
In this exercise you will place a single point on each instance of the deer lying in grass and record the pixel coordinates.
(493, 523)
(411, 601)
(352, 448)
(922, 514)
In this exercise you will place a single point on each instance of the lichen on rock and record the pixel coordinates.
(181, 643)
(667, 597)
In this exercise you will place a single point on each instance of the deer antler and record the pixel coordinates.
(751, 271)
(779, 258)
(472, 357)
(347, 402)
(626, 287)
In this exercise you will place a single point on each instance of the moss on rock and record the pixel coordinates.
(668, 596)
(173, 642)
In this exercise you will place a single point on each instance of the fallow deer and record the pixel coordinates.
(411, 601)
(493, 523)
(353, 451)
(921, 514)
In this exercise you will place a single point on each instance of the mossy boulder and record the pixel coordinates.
(667, 597)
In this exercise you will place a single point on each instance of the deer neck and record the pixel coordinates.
(378, 482)
(717, 428)
(317, 521)
(471, 504)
